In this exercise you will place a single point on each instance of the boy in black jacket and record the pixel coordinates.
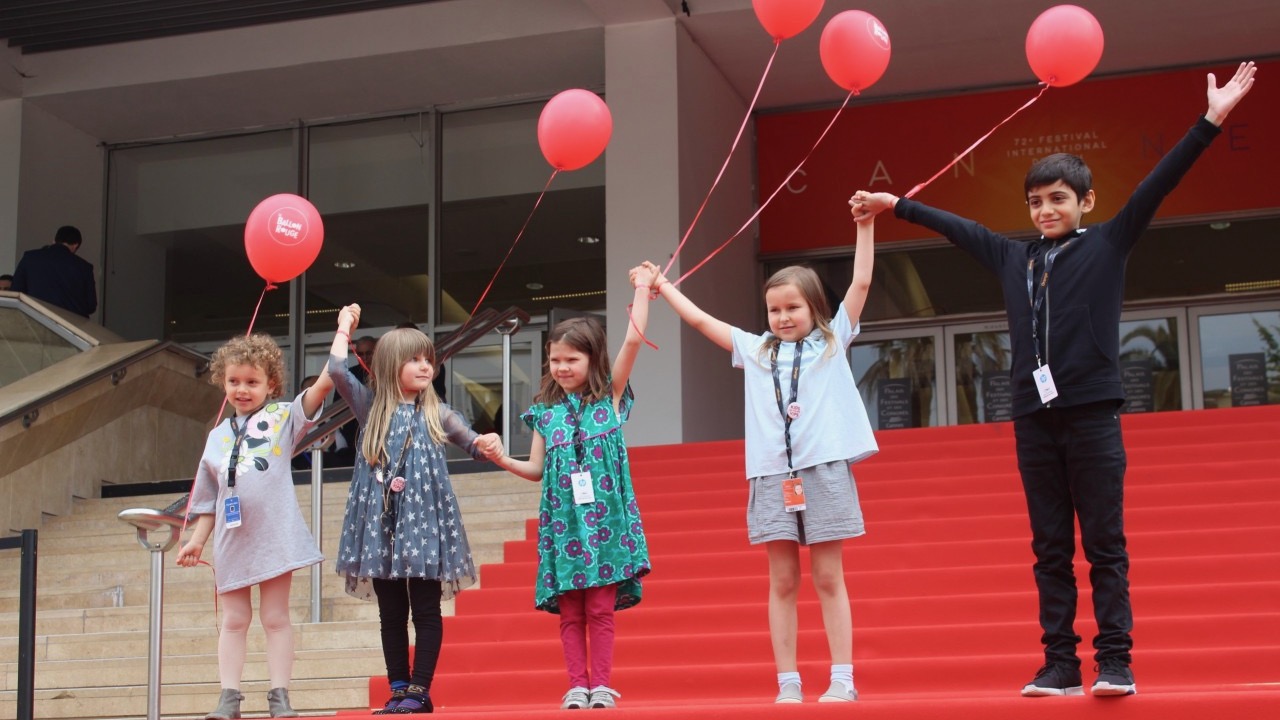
(1066, 381)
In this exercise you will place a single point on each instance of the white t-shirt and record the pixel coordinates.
(833, 422)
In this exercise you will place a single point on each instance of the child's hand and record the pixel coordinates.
(189, 555)
(864, 205)
(642, 276)
(1223, 99)
(490, 445)
(349, 318)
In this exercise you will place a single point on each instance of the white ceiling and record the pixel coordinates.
(473, 52)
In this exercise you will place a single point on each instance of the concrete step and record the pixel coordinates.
(308, 696)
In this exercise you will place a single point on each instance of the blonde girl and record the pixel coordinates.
(402, 537)
(805, 423)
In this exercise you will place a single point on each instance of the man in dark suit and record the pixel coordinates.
(56, 275)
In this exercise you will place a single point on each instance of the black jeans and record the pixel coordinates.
(395, 599)
(1072, 462)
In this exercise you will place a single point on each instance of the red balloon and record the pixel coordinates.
(283, 237)
(574, 129)
(854, 49)
(785, 18)
(1064, 45)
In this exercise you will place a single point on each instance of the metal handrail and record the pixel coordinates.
(481, 324)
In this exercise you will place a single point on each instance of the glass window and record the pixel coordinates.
(984, 390)
(898, 380)
(175, 262)
(1150, 366)
(493, 173)
(1240, 358)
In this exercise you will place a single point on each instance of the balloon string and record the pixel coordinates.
(732, 148)
(773, 195)
(485, 294)
(980, 140)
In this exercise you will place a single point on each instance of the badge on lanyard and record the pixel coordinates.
(1044, 383)
(793, 494)
(231, 511)
(583, 490)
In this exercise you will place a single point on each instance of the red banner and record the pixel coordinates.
(1121, 127)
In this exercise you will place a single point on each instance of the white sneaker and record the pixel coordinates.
(576, 699)
(602, 697)
(838, 693)
(789, 694)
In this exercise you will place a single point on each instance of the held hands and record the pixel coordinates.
(490, 445)
(349, 318)
(865, 205)
(646, 274)
(1223, 99)
(189, 555)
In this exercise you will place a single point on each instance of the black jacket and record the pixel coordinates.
(59, 277)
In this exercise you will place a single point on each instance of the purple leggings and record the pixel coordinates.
(586, 613)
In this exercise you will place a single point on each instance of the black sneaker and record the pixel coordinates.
(1114, 679)
(1055, 679)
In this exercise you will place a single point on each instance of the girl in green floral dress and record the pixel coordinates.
(591, 546)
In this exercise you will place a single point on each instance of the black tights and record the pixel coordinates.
(395, 599)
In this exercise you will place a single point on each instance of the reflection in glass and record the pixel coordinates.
(1149, 365)
(27, 344)
(175, 265)
(983, 388)
(897, 380)
(493, 173)
(1240, 358)
(372, 180)
(475, 389)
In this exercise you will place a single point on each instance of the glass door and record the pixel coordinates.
(897, 373)
(977, 384)
(1237, 362)
(1153, 345)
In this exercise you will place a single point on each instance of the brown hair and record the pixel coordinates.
(810, 286)
(258, 350)
(390, 354)
(585, 335)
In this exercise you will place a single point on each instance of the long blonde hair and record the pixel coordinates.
(390, 355)
(810, 286)
(585, 335)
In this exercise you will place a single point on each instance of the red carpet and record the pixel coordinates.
(943, 600)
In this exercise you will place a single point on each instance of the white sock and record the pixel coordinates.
(788, 678)
(843, 674)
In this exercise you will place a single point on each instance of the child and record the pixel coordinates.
(402, 536)
(244, 488)
(1070, 451)
(591, 545)
(805, 424)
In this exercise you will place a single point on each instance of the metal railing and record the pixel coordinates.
(26, 621)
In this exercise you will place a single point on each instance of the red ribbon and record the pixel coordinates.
(485, 294)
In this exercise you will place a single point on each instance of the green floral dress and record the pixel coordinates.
(593, 544)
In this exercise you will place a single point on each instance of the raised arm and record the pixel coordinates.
(642, 278)
(715, 330)
(864, 256)
(348, 320)
(1223, 99)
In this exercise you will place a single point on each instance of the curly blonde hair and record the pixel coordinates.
(258, 350)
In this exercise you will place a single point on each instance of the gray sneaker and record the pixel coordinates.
(603, 697)
(576, 699)
(790, 694)
(838, 693)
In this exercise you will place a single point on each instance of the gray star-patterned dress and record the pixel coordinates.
(420, 534)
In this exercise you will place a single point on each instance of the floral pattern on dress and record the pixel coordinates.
(592, 544)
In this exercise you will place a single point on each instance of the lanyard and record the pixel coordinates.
(579, 436)
(1036, 300)
(235, 447)
(777, 391)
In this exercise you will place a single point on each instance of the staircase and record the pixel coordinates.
(92, 604)
(944, 604)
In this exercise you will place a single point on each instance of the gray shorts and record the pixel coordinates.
(832, 511)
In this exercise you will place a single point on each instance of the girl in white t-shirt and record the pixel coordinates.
(805, 423)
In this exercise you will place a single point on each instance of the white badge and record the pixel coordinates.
(1044, 383)
(583, 491)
